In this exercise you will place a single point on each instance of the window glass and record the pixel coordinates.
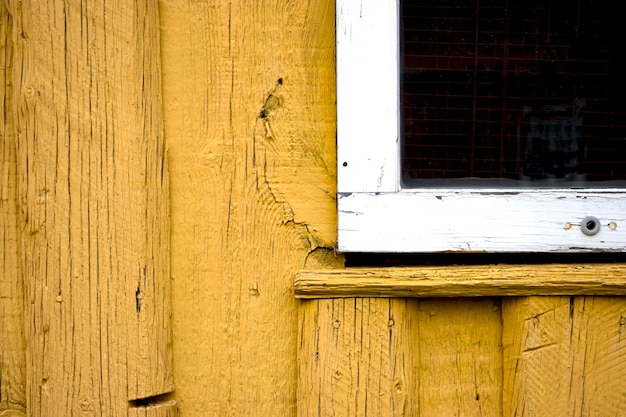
(513, 92)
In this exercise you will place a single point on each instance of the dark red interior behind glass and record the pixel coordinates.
(520, 89)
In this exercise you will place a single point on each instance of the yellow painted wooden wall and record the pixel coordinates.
(242, 95)
(249, 98)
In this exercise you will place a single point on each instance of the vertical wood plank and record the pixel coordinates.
(404, 326)
(564, 356)
(460, 357)
(12, 344)
(249, 94)
(599, 344)
(537, 351)
(356, 357)
(93, 190)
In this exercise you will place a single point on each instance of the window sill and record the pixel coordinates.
(463, 281)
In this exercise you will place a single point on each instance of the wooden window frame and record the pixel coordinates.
(375, 214)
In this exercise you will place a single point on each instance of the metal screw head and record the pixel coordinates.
(590, 225)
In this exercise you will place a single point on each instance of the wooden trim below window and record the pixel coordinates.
(464, 281)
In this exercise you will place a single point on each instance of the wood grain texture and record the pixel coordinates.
(93, 190)
(164, 409)
(460, 357)
(399, 357)
(249, 96)
(357, 357)
(537, 349)
(600, 346)
(490, 220)
(564, 356)
(12, 343)
(463, 281)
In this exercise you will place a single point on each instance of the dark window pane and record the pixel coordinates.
(513, 89)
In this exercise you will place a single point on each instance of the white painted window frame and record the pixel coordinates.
(376, 215)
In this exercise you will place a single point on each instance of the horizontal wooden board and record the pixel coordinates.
(483, 220)
(464, 281)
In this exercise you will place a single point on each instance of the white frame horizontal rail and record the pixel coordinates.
(376, 215)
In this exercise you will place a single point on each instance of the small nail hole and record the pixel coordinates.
(345, 164)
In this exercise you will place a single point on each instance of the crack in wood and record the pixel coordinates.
(160, 399)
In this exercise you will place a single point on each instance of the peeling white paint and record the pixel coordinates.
(376, 215)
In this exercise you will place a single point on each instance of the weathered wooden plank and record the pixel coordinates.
(564, 356)
(409, 357)
(404, 325)
(460, 357)
(357, 357)
(538, 356)
(463, 281)
(93, 188)
(249, 94)
(480, 220)
(12, 343)
(598, 385)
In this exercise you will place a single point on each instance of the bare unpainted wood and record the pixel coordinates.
(564, 356)
(93, 191)
(164, 409)
(357, 357)
(464, 281)
(12, 343)
(249, 93)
